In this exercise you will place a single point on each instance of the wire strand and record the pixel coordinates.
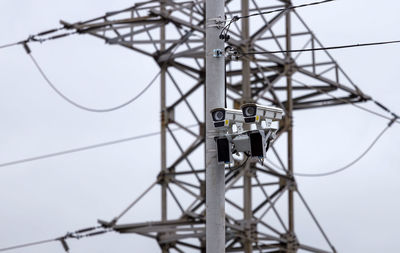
(29, 244)
(350, 103)
(225, 30)
(28, 51)
(45, 77)
(324, 48)
(285, 9)
(78, 234)
(38, 37)
(74, 150)
(349, 164)
(10, 45)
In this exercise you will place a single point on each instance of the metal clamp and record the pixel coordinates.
(216, 22)
(217, 53)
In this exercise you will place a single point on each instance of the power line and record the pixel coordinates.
(28, 51)
(225, 36)
(383, 107)
(39, 37)
(356, 105)
(392, 121)
(29, 244)
(285, 9)
(10, 45)
(78, 234)
(324, 48)
(352, 162)
(74, 150)
(45, 77)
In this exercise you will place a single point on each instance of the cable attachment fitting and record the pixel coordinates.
(26, 47)
(217, 53)
(395, 117)
(35, 38)
(64, 244)
(232, 53)
(224, 32)
(218, 22)
(224, 37)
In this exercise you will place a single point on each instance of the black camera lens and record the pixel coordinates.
(218, 115)
(249, 111)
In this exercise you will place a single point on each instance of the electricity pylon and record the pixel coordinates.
(173, 34)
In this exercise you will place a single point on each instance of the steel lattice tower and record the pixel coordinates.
(172, 33)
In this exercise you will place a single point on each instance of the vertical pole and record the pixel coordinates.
(164, 122)
(247, 200)
(290, 118)
(246, 97)
(215, 97)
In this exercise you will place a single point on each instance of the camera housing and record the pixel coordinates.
(253, 143)
(224, 150)
(225, 118)
(255, 113)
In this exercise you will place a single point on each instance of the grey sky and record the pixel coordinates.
(358, 208)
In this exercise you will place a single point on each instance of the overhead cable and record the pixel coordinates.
(29, 244)
(383, 107)
(323, 174)
(225, 30)
(324, 48)
(10, 45)
(394, 115)
(285, 9)
(114, 108)
(78, 234)
(39, 37)
(172, 49)
(74, 150)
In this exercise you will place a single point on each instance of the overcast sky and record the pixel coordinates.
(39, 200)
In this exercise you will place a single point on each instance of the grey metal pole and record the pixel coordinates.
(215, 97)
